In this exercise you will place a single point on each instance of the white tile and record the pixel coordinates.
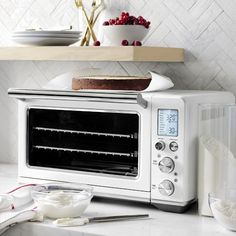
(181, 14)
(227, 24)
(187, 4)
(206, 38)
(131, 68)
(229, 8)
(157, 35)
(220, 79)
(138, 5)
(203, 22)
(208, 73)
(213, 85)
(172, 41)
(226, 44)
(200, 7)
(179, 31)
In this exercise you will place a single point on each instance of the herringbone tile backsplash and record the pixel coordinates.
(205, 28)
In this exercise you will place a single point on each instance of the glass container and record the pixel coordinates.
(61, 200)
(217, 162)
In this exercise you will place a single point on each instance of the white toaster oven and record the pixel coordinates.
(127, 145)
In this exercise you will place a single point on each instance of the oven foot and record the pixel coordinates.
(172, 208)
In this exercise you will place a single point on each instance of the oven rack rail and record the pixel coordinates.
(132, 173)
(123, 170)
(128, 136)
(135, 154)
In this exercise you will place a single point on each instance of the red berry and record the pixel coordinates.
(112, 22)
(137, 43)
(136, 22)
(125, 19)
(105, 23)
(96, 43)
(140, 18)
(117, 22)
(146, 25)
(124, 42)
(131, 20)
(124, 14)
(141, 22)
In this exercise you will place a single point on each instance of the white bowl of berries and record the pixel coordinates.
(126, 30)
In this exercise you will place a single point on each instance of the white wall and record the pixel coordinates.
(205, 28)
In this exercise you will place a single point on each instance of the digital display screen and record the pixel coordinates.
(168, 122)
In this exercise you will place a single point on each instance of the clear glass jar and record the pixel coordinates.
(217, 155)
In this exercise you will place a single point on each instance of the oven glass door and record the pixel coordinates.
(87, 141)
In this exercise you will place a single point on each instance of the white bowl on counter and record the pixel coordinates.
(224, 211)
(62, 200)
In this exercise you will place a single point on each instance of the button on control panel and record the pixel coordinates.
(160, 146)
(173, 146)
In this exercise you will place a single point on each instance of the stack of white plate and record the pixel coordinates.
(46, 38)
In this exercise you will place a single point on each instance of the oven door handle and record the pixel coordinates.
(121, 97)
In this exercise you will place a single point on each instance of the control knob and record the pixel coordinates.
(160, 145)
(166, 165)
(166, 188)
(173, 146)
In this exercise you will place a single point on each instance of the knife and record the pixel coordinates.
(66, 222)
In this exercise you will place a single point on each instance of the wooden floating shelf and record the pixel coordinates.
(91, 53)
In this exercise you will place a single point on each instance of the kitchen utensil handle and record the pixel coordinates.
(85, 96)
(89, 25)
(117, 218)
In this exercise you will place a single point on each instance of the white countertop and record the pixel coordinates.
(160, 223)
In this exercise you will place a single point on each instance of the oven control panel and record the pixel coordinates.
(167, 169)
(167, 179)
(165, 163)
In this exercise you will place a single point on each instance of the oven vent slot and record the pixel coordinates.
(129, 136)
(135, 154)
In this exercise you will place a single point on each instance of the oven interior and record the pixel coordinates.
(88, 141)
